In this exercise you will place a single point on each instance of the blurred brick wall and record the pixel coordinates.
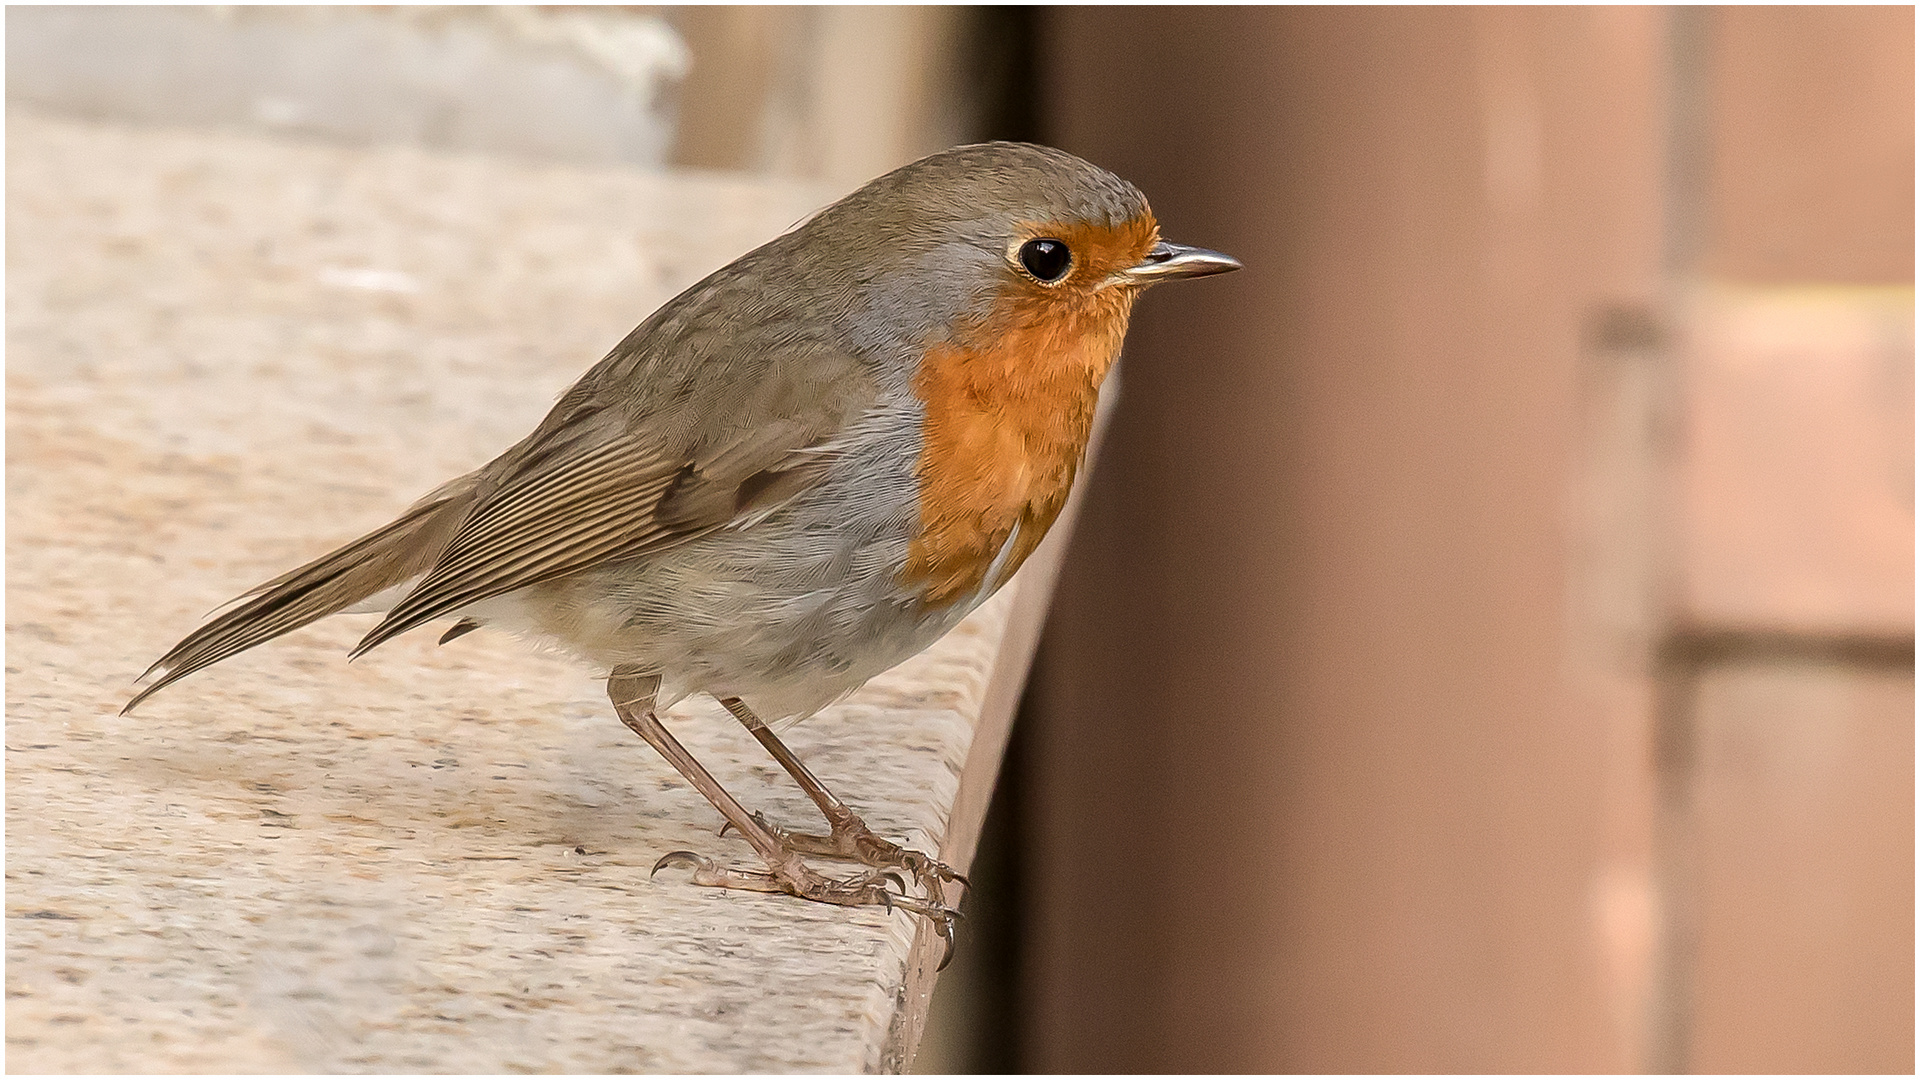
(1382, 723)
(1790, 664)
(1315, 788)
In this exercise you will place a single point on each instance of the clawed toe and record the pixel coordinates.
(931, 871)
(759, 819)
(853, 841)
(792, 877)
(880, 877)
(781, 851)
(713, 875)
(680, 858)
(943, 919)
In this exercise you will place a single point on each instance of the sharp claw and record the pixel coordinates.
(898, 881)
(955, 875)
(945, 929)
(679, 858)
(724, 826)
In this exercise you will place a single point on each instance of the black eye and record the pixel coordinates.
(1046, 258)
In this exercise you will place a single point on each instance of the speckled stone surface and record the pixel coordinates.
(226, 356)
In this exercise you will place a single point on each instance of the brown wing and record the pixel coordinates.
(383, 558)
(589, 491)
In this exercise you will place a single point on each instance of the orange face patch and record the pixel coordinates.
(1009, 406)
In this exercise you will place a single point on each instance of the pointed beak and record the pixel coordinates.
(1169, 261)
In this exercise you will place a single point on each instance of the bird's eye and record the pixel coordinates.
(1046, 259)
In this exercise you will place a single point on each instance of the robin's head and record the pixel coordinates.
(997, 280)
(981, 241)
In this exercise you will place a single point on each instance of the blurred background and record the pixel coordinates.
(1488, 645)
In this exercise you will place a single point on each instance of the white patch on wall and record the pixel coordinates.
(594, 86)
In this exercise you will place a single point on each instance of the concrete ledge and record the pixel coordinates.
(226, 355)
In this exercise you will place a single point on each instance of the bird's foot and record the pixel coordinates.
(850, 839)
(794, 877)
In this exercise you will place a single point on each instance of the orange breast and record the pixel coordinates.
(1009, 406)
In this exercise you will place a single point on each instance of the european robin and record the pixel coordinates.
(799, 472)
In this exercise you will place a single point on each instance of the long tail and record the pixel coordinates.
(386, 557)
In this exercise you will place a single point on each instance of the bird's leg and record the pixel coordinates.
(847, 835)
(632, 694)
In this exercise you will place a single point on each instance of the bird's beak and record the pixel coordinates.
(1169, 261)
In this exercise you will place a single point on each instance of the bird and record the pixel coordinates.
(799, 472)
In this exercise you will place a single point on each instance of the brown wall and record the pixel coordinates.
(1788, 832)
(1809, 144)
(1350, 747)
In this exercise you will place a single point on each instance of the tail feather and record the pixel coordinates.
(394, 553)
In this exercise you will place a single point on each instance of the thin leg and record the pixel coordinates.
(848, 836)
(632, 697)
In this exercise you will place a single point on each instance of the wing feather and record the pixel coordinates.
(591, 492)
(584, 509)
